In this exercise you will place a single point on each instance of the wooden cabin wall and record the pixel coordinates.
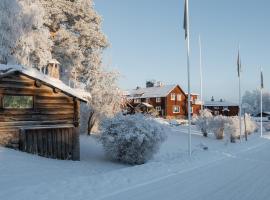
(51, 107)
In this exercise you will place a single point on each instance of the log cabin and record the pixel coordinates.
(39, 114)
(170, 101)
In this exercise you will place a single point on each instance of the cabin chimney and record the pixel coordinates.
(53, 69)
(212, 99)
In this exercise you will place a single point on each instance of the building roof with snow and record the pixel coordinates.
(151, 92)
(219, 103)
(6, 70)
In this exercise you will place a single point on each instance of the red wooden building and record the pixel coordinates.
(170, 101)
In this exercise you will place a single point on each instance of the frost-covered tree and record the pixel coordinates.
(252, 101)
(132, 139)
(23, 38)
(77, 37)
(105, 98)
(78, 43)
(202, 121)
(10, 31)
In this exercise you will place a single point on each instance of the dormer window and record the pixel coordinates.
(172, 96)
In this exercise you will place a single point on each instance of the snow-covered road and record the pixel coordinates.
(245, 175)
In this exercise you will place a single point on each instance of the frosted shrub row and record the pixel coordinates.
(221, 125)
(131, 139)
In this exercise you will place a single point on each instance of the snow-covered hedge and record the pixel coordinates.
(202, 121)
(220, 125)
(216, 125)
(132, 139)
(232, 127)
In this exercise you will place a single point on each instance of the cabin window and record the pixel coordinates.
(17, 102)
(158, 99)
(176, 109)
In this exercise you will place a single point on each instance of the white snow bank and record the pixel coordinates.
(26, 176)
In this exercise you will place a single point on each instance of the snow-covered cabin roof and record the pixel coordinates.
(6, 70)
(219, 103)
(151, 92)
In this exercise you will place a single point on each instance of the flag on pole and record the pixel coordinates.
(262, 79)
(238, 64)
(186, 19)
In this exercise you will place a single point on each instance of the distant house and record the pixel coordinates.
(264, 114)
(222, 107)
(170, 101)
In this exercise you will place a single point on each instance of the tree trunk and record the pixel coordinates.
(91, 122)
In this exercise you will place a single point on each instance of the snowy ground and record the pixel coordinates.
(224, 171)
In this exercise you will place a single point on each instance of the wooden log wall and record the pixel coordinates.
(51, 142)
(50, 107)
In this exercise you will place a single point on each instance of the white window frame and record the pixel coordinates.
(147, 100)
(179, 97)
(179, 110)
(172, 96)
(158, 99)
(137, 100)
(158, 108)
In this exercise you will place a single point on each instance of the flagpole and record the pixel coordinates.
(200, 46)
(261, 103)
(240, 109)
(240, 98)
(186, 27)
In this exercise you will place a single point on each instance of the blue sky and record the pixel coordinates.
(147, 42)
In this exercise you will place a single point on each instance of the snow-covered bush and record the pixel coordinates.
(216, 125)
(132, 139)
(231, 128)
(251, 125)
(202, 121)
